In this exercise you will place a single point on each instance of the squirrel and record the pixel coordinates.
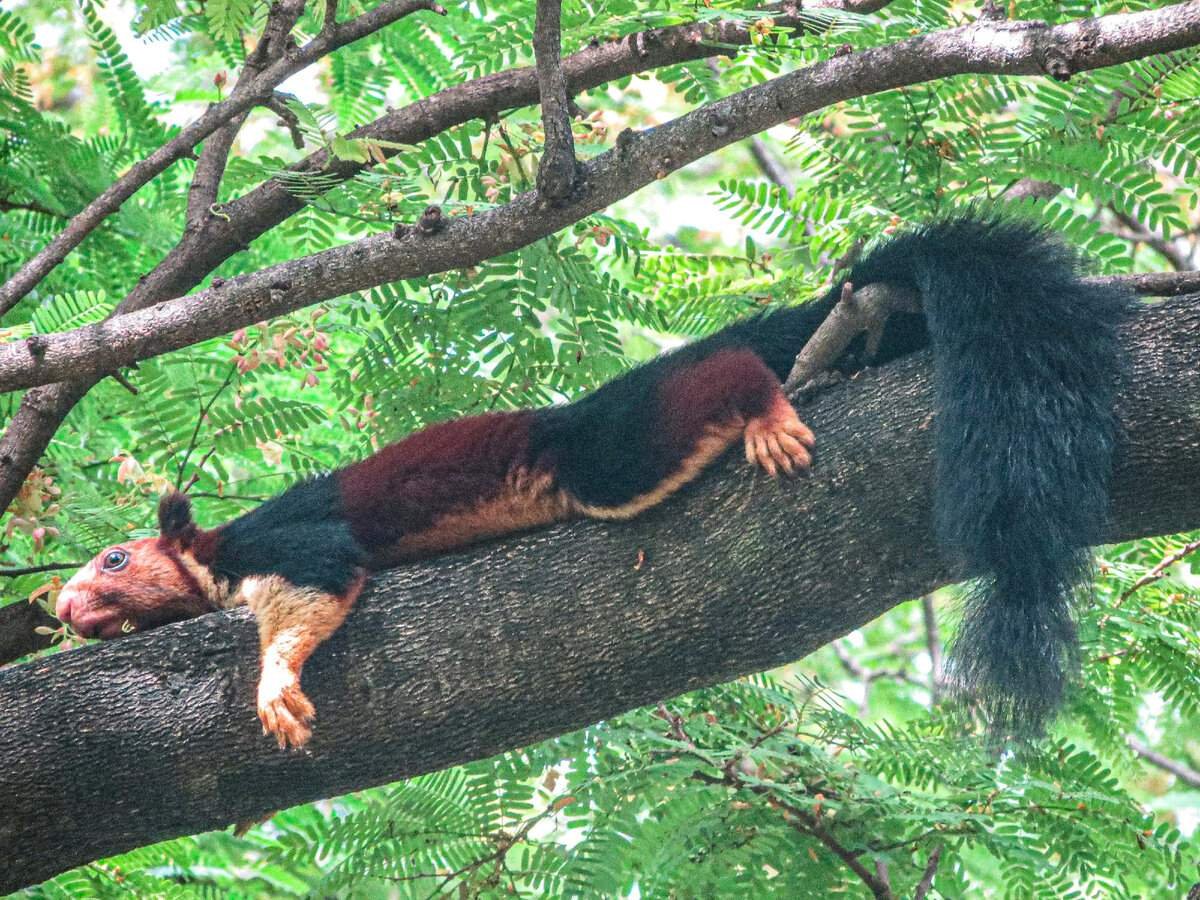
(1026, 361)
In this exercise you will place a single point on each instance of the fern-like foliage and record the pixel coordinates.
(741, 789)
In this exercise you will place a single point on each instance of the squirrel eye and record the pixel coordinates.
(115, 561)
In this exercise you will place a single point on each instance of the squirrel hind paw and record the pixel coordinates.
(778, 441)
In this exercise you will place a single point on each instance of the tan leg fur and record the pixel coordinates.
(292, 622)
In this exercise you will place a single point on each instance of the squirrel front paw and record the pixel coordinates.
(283, 709)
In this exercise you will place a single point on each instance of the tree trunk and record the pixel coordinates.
(113, 746)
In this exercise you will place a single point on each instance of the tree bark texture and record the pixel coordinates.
(115, 745)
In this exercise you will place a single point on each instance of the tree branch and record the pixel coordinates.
(556, 172)
(268, 205)
(198, 253)
(245, 96)
(740, 589)
(1015, 48)
(210, 169)
(1187, 775)
(1155, 284)
(7, 205)
(926, 882)
(1138, 233)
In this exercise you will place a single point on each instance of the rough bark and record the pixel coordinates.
(112, 746)
(556, 171)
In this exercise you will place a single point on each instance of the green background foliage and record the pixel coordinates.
(728, 791)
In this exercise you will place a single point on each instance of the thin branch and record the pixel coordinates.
(877, 885)
(926, 882)
(33, 570)
(933, 642)
(1152, 576)
(771, 167)
(558, 168)
(1186, 774)
(1140, 234)
(210, 169)
(287, 117)
(28, 206)
(204, 411)
(119, 378)
(238, 102)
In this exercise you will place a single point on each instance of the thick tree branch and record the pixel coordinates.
(1155, 284)
(246, 95)
(560, 628)
(556, 171)
(1013, 48)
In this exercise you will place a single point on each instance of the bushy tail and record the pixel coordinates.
(1026, 359)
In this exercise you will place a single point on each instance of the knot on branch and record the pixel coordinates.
(1057, 64)
(718, 125)
(432, 221)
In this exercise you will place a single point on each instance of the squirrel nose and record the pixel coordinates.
(62, 608)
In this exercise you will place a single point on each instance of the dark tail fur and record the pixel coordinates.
(1026, 361)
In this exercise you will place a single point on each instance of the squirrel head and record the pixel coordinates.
(138, 585)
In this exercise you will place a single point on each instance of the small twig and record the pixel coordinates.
(28, 206)
(33, 570)
(119, 378)
(881, 873)
(199, 468)
(277, 103)
(206, 180)
(675, 722)
(1140, 234)
(558, 169)
(1187, 775)
(282, 18)
(926, 882)
(1153, 575)
(330, 21)
(204, 410)
(933, 644)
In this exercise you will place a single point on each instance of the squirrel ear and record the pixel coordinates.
(175, 517)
